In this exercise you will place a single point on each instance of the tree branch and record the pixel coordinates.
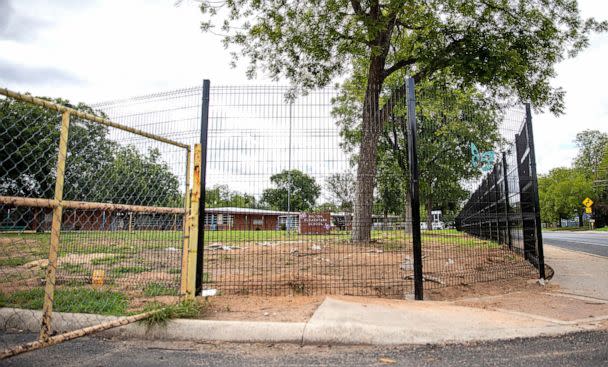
(398, 65)
(356, 4)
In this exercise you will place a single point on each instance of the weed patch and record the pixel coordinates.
(81, 300)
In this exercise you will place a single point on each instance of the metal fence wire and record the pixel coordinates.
(478, 188)
(92, 219)
(280, 213)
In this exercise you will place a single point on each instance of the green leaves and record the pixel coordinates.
(561, 193)
(222, 196)
(97, 168)
(508, 46)
(302, 188)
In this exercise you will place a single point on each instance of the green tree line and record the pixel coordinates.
(563, 189)
(98, 169)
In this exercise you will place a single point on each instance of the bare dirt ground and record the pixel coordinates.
(300, 308)
(257, 308)
(296, 274)
(510, 285)
(378, 269)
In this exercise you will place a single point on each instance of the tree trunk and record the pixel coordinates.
(366, 168)
(429, 214)
(384, 225)
(407, 211)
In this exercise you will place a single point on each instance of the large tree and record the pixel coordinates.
(510, 47)
(600, 207)
(451, 117)
(29, 137)
(294, 190)
(341, 188)
(221, 196)
(593, 145)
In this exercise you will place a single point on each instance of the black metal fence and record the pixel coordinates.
(505, 207)
(281, 179)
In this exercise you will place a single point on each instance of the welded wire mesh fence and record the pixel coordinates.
(477, 191)
(297, 203)
(280, 201)
(504, 208)
(92, 217)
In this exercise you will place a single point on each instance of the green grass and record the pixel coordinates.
(14, 261)
(566, 229)
(111, 242)
(109, 260)
(185, 309)
(82, 300)
(159, 289)
(174, 271)
(73, 268)
(135, 269)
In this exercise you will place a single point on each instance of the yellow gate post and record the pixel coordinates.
(186, 227)
(194, 220)
(49, 288)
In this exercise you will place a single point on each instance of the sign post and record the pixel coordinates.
(588, 203)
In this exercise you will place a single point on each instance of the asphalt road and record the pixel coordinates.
(580, 349)
(591, 242)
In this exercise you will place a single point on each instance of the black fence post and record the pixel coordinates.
(201, 217)
(505, 175)
(535, 199)
(414, 189)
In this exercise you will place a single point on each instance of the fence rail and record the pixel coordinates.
(94, 217)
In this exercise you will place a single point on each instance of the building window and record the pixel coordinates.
(210, 219)
(219, 219)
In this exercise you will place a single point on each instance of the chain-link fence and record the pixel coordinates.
(92, 220)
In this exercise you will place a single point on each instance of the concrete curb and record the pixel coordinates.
(313, 332)
(180, 329)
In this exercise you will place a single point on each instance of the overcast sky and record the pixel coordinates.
(101, 50)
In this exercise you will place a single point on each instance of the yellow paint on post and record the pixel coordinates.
(98, 278)
(49, 289)
(194, 218)
(186, 228)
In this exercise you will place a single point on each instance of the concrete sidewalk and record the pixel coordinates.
(577, 272)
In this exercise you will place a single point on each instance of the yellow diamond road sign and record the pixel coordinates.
(588, 202)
